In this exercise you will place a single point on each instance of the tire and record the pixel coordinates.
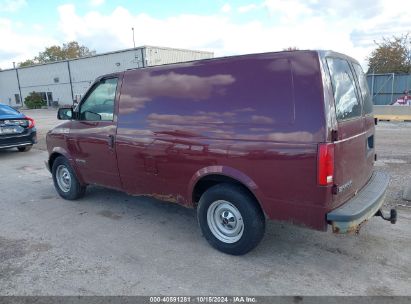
(65, 180)
(230, 219)
(25, 148)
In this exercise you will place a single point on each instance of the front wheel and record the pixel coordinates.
(230, 219)
(65, 180)
(25, 148)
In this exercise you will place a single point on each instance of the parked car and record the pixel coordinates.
(287, 136)
(16, 129)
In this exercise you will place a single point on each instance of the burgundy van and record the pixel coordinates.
(287, 136)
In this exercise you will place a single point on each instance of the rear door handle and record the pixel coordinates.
(111, 141)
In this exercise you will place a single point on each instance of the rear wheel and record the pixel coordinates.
(25, 148)
(65, 180)
(230, 219)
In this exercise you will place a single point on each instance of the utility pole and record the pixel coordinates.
(71, 81)
(372, 86)
(134, 42)
(135, 53)
(18, 83)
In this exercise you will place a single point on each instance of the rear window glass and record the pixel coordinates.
(365, 93)
(347, 104)
(5, 110)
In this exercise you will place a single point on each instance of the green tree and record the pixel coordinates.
(50, 54)
(34, 101)
(291, 48)
(26, 63)
(53, 53)
(74, 50)
(391, 56)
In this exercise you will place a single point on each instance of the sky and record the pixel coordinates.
(224, 27)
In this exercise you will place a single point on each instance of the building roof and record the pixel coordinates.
(109, 53)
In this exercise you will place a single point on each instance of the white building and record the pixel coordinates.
(65, 81)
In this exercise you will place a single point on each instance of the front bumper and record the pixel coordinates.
(28, 138)
(367, 203)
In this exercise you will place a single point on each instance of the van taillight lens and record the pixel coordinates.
(30, 121)
(325, 164)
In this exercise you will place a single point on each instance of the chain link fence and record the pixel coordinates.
(387, 88)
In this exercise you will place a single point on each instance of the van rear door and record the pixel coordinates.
(368, 117)
(353, 158)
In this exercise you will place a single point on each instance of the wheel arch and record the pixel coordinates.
(211, 176)
(61, 152)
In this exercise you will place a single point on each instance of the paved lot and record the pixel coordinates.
(45, 120)
(109, 243)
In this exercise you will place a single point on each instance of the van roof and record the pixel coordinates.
(321, 53)
(222, 57)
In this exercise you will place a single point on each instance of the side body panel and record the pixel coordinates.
(261, 116)
(56, 140)
(88, 144)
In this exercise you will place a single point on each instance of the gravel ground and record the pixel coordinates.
(393, 146)
(45, 120)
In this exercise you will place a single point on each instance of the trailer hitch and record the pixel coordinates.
(392, 217)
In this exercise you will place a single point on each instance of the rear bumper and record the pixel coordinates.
(28, 138)
(349, 217)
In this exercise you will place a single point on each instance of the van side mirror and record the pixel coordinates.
(65, 113)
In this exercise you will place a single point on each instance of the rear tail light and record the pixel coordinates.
(30, 121)
(325, 164)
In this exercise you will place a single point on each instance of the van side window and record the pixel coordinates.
(347, 104)
(99, 104)
(365, 93)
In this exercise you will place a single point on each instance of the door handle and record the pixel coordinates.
(111, 141)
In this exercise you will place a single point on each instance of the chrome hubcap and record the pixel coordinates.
(225, 221)
(63, 178)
